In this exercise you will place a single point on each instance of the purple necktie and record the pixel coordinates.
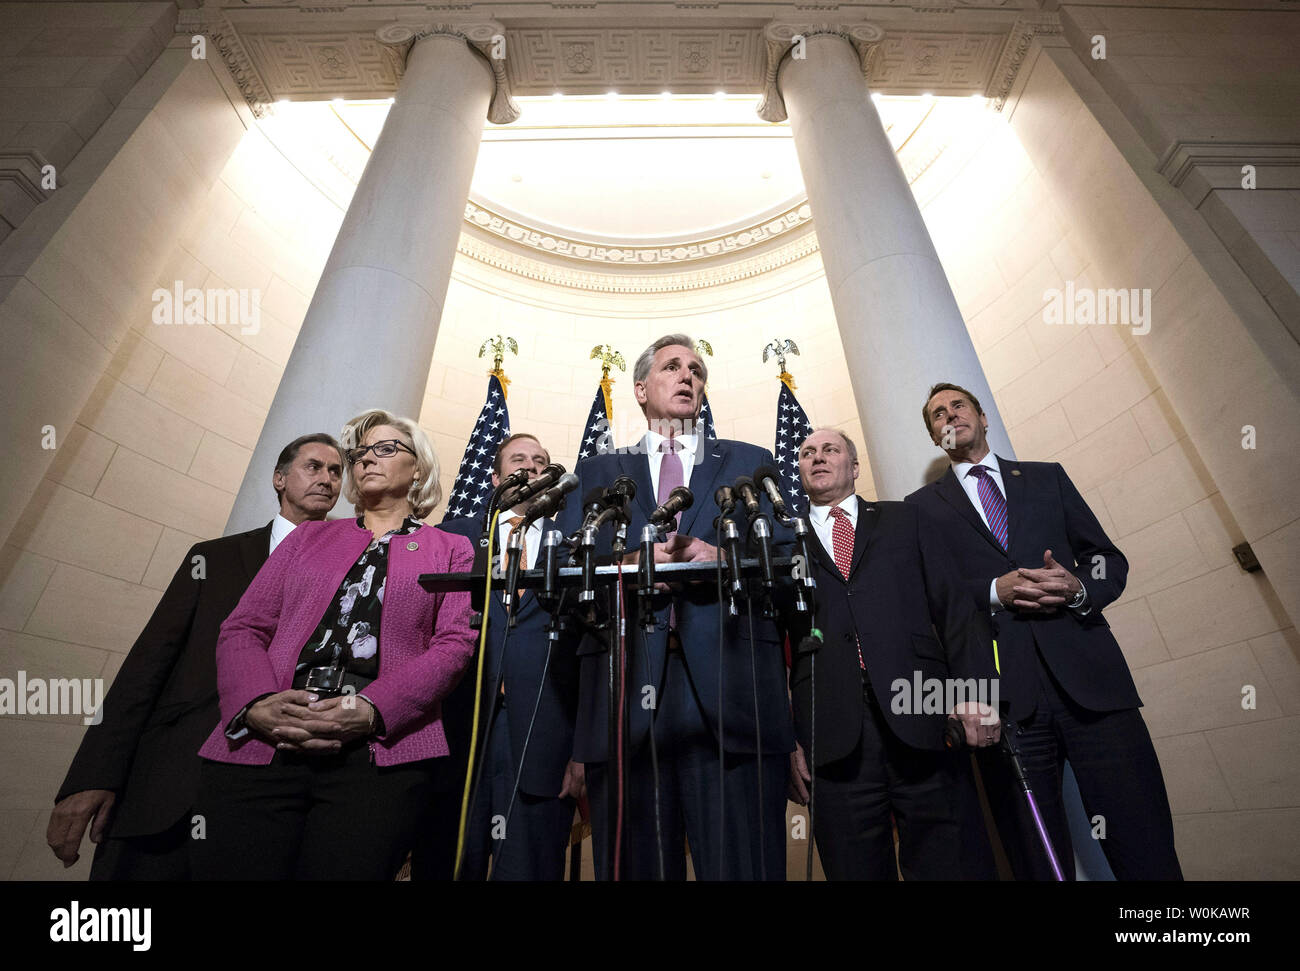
(995, 507)
(670, 471)
(670, 477)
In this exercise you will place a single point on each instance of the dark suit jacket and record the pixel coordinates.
(1044, 511)
(551, 744)
(904, 603)
(163, 702)
(696, 605)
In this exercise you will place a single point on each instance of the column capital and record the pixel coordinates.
(782, 35)
(487, 37)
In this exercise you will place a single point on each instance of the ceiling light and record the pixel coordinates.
(719, 94)
(611, 95)
(665, 95)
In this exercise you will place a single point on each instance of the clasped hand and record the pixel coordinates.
(1038, 591)
(301, 721)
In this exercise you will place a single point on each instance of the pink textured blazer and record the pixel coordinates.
(425, 641)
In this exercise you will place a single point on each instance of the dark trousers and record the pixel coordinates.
(532, 842)
(931, 796)
(334, 817)
(713, 807)
(1119, 780)
(158, 856)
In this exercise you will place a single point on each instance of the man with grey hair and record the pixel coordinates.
(693, 666)
(136, 773)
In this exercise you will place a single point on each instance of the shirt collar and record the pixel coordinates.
(820, 514)
(990, 462)
(519, 511)
(280, 528)
(687, 442)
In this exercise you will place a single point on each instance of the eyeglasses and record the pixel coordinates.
(382, 450)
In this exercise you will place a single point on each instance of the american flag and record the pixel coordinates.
(706, 416)
(792, 427)
(597, 439)
(473, 486)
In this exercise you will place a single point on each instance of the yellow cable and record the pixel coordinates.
(996, 664)
(478, 698)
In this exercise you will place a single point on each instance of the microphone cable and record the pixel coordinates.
(722, 752)
(654, 754)
(620, 609)
(528, 735)
(478, 697)
(758, 737)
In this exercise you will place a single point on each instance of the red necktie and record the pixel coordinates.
(842, 541)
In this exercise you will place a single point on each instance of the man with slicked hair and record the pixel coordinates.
(1033, 555)
(135, 776)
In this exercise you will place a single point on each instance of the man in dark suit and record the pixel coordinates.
(136, 772)
(531, 844)
(1063, 674)
(885, 685)
(674, 673)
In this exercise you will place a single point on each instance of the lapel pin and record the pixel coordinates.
(412, 546)
(1015, 471)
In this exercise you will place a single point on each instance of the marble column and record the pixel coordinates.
(899, 322)
(368, 336)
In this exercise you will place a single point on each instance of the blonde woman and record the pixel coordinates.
(331, 672)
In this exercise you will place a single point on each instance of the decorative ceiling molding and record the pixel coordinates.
(611, 254)
(328, 49)
(1007, 69)
(592, 60)
(478, 246)
(1197, 168)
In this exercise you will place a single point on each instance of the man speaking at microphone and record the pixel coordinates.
(674, 672)
(531, 843)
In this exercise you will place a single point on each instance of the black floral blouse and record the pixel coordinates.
(348, 633)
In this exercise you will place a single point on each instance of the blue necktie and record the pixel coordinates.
(995, 507)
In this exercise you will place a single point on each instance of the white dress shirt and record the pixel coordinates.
(823, 525)
(532, 537)
(686, 453)
(280, 528)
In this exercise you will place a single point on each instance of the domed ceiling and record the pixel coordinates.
(581, 187)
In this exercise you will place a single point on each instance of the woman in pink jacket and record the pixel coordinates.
(331, 673)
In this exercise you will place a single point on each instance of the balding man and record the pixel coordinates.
(886, 686)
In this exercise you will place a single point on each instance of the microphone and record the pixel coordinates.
(549, 502)
(592, 504)
(550, 565)
(614, 501)
(768, 479)
(534, 484)
(678, 501)
(745, 491)
(731, 543)
(725, 499)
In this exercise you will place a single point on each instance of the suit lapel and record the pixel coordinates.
(703, 476)
(254, 549)
(864, 534)
(826, 556)
(1013, 484)
(950, 491)
(637, 465)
